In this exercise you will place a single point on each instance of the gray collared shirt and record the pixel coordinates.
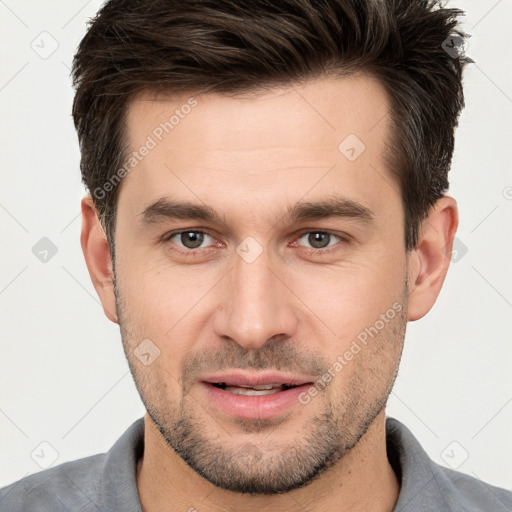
(107, 482)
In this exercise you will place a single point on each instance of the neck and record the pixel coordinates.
(362, 480)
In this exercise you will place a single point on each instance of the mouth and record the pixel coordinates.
(254, 395)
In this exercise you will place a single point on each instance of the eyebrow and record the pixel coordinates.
(165, 209)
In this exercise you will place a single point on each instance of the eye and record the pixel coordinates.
(190, 239)
(320, 239)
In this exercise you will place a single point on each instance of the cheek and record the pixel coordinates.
(365, 363)
(352, 296)
(168, 305)
(158, 291)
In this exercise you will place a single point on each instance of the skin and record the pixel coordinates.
(250, 157)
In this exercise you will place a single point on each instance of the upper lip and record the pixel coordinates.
(258, 378)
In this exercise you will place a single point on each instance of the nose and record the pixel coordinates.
(255, 305)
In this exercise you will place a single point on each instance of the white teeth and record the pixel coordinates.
(265, 386)
(253, 391)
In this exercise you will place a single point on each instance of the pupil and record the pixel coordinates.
(319, 240)
(192, 239)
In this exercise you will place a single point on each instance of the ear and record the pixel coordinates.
(97, 257)
(430, 259)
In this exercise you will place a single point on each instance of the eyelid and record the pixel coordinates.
(305, 231)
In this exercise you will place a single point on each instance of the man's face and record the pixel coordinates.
(270, 288)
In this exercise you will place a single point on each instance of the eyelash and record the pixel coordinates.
(309, 250)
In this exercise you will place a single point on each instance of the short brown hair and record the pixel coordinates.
(228, 46)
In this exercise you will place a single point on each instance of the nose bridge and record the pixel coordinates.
(255, 305)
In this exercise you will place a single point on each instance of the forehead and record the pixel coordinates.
(329, 107)
(256, 145)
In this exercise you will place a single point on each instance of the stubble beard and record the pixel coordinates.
(259, 465)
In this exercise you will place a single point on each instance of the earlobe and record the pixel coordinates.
(97, 257)
(430, 259)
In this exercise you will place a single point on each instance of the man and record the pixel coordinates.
(267, 210)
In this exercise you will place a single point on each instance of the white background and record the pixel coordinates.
(63, 376)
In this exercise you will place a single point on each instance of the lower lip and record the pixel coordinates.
(254, 406)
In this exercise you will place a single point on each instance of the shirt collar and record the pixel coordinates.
(422, 482)
(119, 479)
